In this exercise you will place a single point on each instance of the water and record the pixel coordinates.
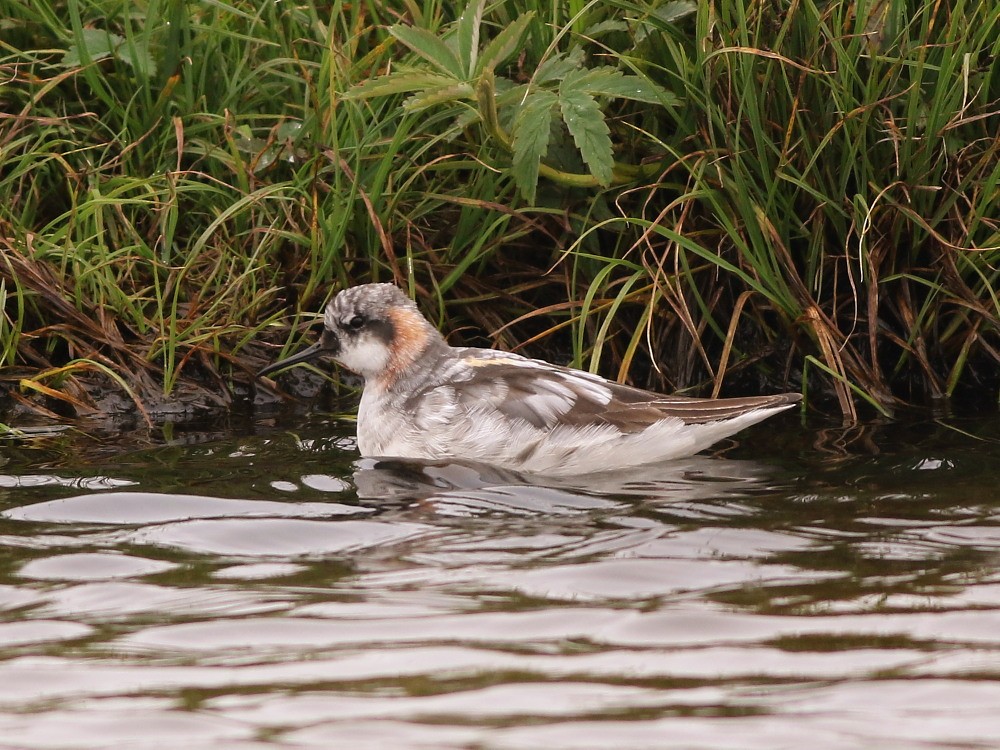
(813, 587)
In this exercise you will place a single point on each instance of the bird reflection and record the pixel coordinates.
(472, 488)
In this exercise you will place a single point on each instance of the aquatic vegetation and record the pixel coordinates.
(714, 196)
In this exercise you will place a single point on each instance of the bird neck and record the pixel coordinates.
(414, 340)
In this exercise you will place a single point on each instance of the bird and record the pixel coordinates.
(427, 400)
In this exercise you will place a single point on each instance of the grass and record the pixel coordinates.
(797, 194)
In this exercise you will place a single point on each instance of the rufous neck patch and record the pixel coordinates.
(409, 340)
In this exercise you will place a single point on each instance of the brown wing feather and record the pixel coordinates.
(519, 389)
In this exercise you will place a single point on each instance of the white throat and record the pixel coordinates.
(367, 357)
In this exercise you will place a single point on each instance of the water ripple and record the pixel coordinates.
(269, 593)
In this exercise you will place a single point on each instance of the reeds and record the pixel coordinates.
(798, 192)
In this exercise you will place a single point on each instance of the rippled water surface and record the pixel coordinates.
(810, 588)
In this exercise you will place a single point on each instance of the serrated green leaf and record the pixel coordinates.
(590, 76)
(585, 122)
(675, 10)
(559, 66)
(637, 89)
(141, 61)
(505, 43)
(532, 127)
(468, 35)
(430, 48)
(604, 27)
(96, 45)
(398, 83)
(451, 93)
(664, 18)
(608, 81)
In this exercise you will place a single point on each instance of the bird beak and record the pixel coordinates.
(328, 344)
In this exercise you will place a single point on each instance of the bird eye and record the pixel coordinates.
(356, 322)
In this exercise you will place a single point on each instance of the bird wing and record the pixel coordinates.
(546, 395)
